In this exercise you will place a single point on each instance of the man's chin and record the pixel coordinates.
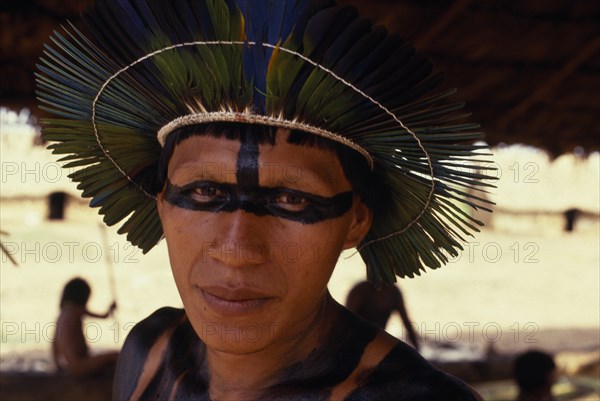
(237, 338)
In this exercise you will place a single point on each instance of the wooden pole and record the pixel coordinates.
(112, 282)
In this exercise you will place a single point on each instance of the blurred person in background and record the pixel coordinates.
(69, 348)
(535, 373)
(377, 305)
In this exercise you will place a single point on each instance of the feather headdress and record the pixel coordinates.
(148, 67)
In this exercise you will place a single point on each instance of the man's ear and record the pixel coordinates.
(361, 223)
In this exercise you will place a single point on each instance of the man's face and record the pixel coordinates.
(253, 233)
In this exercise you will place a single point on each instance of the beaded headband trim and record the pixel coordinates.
(249, 118)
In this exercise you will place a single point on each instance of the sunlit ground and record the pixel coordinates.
(521, 283)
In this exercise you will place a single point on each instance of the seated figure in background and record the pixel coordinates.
(69, 348)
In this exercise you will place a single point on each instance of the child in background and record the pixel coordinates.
(69, 348)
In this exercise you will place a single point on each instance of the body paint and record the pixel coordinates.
(248, 196)
(260, 201)
(247, 163)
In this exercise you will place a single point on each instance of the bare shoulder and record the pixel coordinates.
(142, 349)
(403, 374)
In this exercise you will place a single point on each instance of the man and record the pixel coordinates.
(263, 326)
(241, 130)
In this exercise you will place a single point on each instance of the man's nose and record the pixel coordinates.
(242, 239)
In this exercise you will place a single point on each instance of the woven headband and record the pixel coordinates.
(249, 118)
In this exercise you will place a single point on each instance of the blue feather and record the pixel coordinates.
(272, 22)
(255, 57)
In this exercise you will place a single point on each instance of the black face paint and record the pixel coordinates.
(247, 163)
(247, 195)
(304, 207)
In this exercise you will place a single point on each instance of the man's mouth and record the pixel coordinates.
(232, 301)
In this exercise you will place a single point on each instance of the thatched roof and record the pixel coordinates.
(529, 70)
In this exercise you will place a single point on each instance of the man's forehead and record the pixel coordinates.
(209, 157)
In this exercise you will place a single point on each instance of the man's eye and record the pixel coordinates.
(206, 194)
(291, 202)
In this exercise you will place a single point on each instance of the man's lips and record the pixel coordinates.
(234, 300)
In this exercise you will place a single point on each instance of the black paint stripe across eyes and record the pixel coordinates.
(303, 207)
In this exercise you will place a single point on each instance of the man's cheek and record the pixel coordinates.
(184, 286)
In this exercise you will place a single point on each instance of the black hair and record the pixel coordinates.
(532, 370)
(77, 291)
(354, 165)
